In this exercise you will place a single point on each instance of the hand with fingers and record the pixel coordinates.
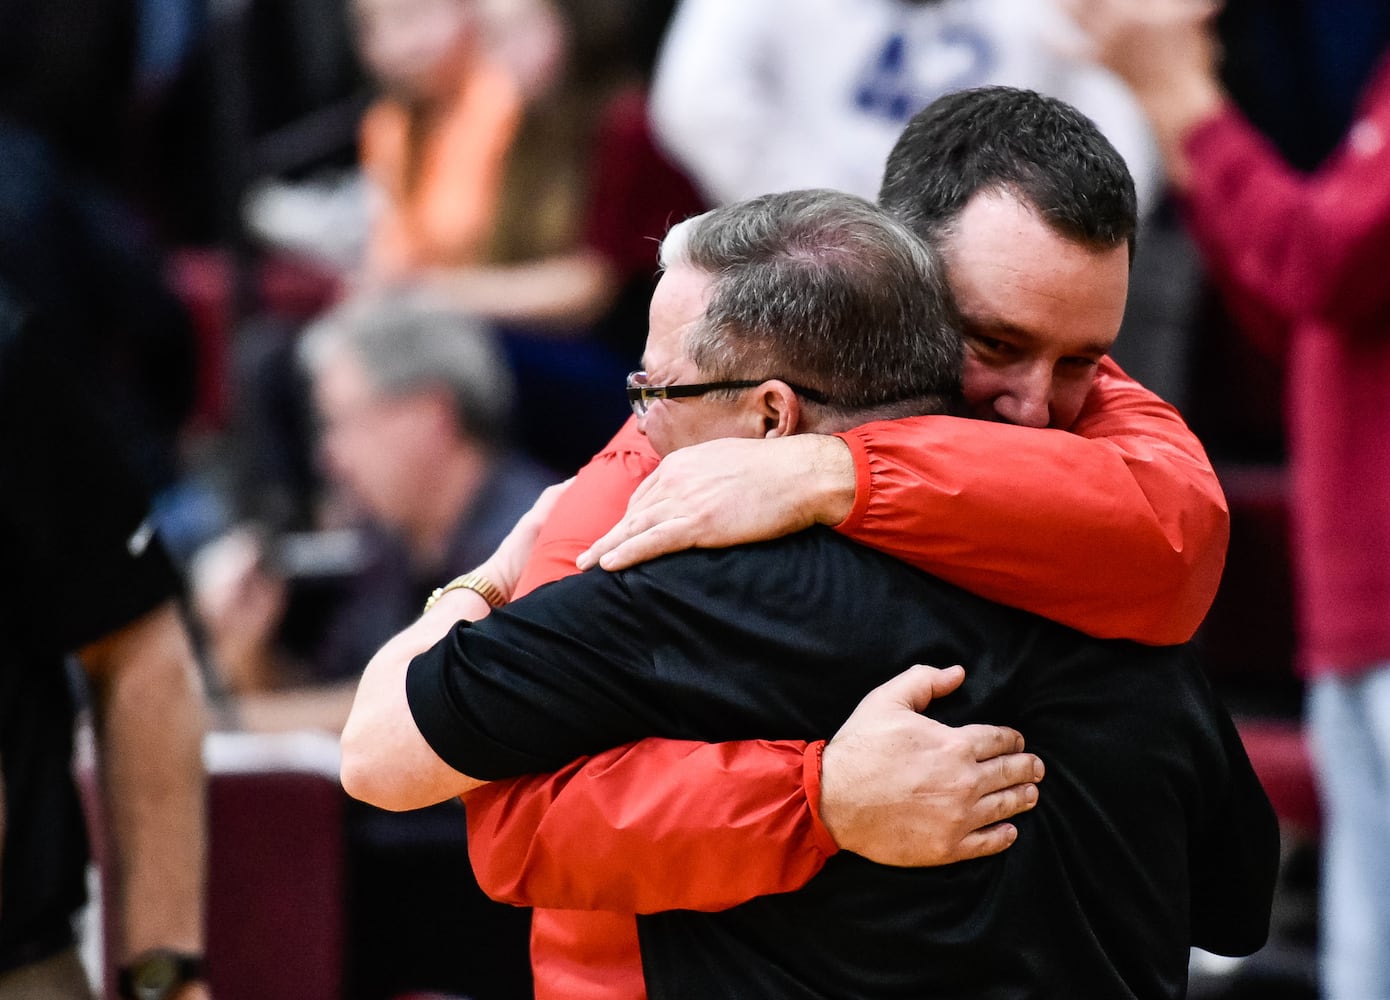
(901, 789)
(1149, 42)
(727, 492)
(1168, 54)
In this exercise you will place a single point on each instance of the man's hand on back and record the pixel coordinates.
(728, 492)
(902, 789)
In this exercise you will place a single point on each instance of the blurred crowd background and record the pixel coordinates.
(355, 279)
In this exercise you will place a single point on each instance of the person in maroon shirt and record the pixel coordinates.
(1301, 258)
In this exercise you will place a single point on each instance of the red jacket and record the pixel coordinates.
(1118, 528)
(1304, 261)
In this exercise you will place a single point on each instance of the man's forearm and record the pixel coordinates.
(1175, 112)
(832, 481)
(386, 761)
(150, 722)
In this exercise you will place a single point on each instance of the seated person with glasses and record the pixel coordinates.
(1154, 834)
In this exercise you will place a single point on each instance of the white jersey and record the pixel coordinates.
(755, 96)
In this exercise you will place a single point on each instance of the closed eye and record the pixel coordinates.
(991, 345)
(1080, 365)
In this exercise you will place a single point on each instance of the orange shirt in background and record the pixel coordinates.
(440, 210)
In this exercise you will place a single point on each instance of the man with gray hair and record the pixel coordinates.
(414, 405)
(1141, 830)
(821, 287)
(406, 343)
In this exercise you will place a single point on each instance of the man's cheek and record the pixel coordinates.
(981, 387)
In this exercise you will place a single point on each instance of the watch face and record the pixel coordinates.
(155, 977)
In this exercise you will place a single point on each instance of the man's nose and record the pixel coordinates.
(1028, 401)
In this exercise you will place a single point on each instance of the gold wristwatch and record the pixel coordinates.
(475, 582)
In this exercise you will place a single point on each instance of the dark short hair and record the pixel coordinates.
(827, 290)
(1039, 149)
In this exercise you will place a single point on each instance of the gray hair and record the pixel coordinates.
(408, 343)
(826, 290)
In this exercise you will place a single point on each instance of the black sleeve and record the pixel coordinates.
(1235, 860)
(778, 640)
(80, 550)
(559, 675)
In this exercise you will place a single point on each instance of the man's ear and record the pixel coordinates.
(778, 409)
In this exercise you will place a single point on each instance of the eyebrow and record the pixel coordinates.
(996, 325)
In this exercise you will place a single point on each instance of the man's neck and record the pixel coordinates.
(819, 420)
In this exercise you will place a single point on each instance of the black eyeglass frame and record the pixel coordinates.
(640, 396)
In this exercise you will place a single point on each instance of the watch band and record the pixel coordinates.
(475, 582)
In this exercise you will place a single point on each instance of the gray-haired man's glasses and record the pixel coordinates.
(640, 394)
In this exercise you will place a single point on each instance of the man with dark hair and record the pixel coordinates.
(1154, 834)
(1041, 150)
(1117, 529)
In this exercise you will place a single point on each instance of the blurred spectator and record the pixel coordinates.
(584, 191)
(74, 251)
(782, 94)
(532, 190)
(71, 241)
(87, 574)
(414, 404)
(67, 71)
(434, 143)
(556, 198)
(1301, 258)
(512, 172)
(1296, 68)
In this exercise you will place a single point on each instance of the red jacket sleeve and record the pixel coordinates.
(1117, 528)
(1284, 245)
(631, 808)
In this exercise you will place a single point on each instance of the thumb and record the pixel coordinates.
(916, 686)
